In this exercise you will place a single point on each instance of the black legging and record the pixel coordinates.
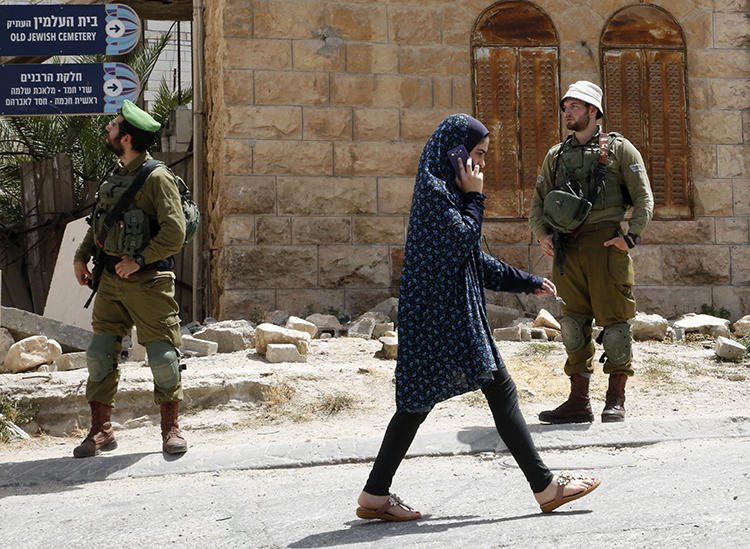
(503, 401)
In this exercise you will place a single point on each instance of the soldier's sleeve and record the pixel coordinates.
(636, 180)
(162, 191)
(85, 249)
(543, 186)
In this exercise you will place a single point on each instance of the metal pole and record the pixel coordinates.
(198, 170)
(179, 67)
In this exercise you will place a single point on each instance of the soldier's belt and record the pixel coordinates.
(593, 227)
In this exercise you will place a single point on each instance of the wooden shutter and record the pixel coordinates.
(645, 101)
(643, 65)
(623, 95)
(667, 143)
(516, 97)
(497, 106)
(538, 115)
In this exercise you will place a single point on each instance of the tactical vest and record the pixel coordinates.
(576, 165)
(133, 230)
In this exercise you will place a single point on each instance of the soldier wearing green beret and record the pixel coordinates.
(587, 184)
(137, 283)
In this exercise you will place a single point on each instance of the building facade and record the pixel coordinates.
(317, 111)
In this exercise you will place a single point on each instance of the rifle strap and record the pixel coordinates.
(127, 197)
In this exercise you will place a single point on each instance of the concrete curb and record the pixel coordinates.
(328, 452)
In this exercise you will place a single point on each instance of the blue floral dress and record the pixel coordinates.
(445, 341)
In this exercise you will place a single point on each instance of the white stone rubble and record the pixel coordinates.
(283, 352)
(390, 347)
(201, 347)
(296, 323)
(729, 349)
(704, 324)
(267, 333)
(645, 326)
(382, 329)
(364, 325)
(30, 353)
(501, 317)
(742, 326)
(69, 361)
(6, 340)
(389, 308)
(277, 317)
(326, 323)
(231, 335)
(544, 319)
(511, 333)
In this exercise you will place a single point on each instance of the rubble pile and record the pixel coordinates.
(286, 338)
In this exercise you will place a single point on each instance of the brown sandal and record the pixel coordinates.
(383, 512)
(563, 479)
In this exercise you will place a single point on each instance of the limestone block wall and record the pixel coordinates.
(317, 112)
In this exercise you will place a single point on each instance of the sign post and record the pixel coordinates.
(80, 88)
(68, 29)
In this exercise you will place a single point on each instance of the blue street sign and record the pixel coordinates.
(68, 29)
(86, 88)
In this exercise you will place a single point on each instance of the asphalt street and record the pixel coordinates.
(687, 491)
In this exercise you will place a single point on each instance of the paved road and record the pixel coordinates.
(678, 493)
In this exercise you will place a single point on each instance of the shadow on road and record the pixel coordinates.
(66, 471)
(360, 531)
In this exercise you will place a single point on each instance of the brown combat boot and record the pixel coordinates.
(577, 409)
(173, 443)
(100, 437)
(614, 406)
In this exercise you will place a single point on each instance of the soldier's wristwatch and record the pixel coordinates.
(138, 258)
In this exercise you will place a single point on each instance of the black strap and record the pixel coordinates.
(113, 215)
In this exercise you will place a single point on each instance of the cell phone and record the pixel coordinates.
(456, 154)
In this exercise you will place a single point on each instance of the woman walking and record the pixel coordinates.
(445, 341)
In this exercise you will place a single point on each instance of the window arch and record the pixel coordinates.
(642, 50)
(515, 54)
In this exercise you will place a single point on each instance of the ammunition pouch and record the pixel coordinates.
(564, 211)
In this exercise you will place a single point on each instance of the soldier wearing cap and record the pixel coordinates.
(137, 283)
(587, 184)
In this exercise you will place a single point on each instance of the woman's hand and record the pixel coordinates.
(470, 178)
(547, 288)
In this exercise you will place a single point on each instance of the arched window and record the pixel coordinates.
(643, 65)
(516, 85)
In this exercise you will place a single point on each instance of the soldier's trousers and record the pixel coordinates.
(146, 300)
(597, 284)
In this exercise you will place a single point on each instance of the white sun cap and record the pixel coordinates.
(585, 91)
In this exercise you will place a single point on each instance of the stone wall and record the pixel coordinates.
(317, 113)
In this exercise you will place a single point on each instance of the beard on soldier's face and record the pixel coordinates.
(114, 145)
(580, 124)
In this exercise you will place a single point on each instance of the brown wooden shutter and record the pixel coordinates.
(516, 96)
(538, 115)
(643, 65)
(623, 95)
(497, 106)
(516, 93)
(668, 149)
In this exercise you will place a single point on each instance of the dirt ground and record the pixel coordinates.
(344, 391)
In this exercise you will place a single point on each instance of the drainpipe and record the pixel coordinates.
(198, 154)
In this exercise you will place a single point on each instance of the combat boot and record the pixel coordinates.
(100, 437)
(614, 406)
(577, 409)
(172, 440)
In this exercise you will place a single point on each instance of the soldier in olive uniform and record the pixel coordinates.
(137, 283)
(587, 184)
